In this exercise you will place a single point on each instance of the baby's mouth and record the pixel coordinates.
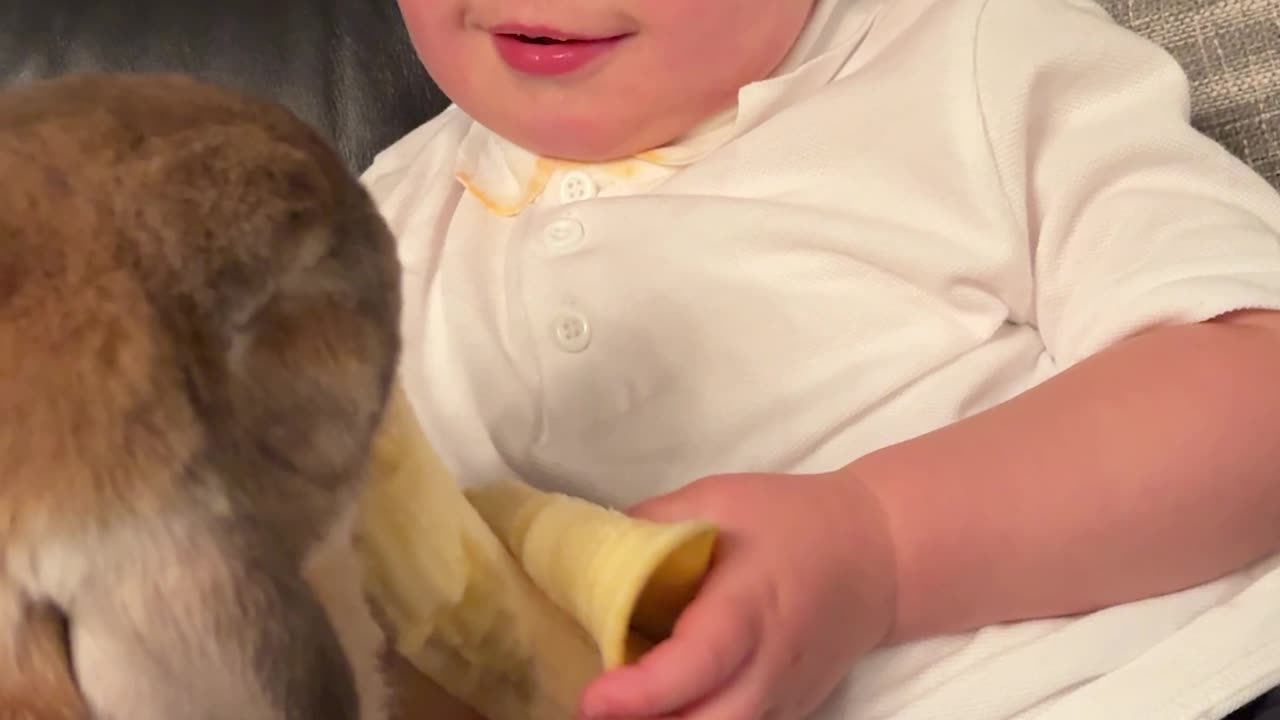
(547, 40)
(539, 40)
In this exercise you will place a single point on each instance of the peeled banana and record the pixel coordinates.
(510, 598)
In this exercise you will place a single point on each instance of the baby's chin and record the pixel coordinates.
(589, 137)
(584, 146)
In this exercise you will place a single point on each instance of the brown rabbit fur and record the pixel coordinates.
(198, 331)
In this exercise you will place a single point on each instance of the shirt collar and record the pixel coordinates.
(507, 178)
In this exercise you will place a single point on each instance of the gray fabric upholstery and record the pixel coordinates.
(1230, 50)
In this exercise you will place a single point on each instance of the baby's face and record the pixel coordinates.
(607, 78)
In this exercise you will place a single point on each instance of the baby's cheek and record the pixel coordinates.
(418, 23)
(721, 45)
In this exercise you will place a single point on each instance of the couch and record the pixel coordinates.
(1230, 50)
(347, 67)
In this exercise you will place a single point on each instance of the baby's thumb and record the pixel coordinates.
(686, 503)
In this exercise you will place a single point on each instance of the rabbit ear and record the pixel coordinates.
(220, 212)
(309, 371)
(272, 266)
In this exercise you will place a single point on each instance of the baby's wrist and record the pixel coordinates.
(940, 553)
(871, 542)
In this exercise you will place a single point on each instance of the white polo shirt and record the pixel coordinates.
(932, 206)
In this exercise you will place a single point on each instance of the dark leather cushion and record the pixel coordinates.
(346, 66)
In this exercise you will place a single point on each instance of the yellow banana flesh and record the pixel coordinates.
(625, 580)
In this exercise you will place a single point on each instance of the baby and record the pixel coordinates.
(941, 309)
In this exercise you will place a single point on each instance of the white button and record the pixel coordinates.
(563, 234)
(576, 186)
(571, 331)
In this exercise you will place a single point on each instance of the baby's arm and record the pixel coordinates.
(1148, 468)
(1151, 462)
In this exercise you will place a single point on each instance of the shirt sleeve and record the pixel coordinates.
(1134, 218)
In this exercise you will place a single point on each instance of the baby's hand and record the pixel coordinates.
(801, 587)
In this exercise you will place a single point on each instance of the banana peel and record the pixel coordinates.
(510, 598)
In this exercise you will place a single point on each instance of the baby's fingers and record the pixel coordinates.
(710, 643)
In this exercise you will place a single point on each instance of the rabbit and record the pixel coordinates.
(199, 311)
